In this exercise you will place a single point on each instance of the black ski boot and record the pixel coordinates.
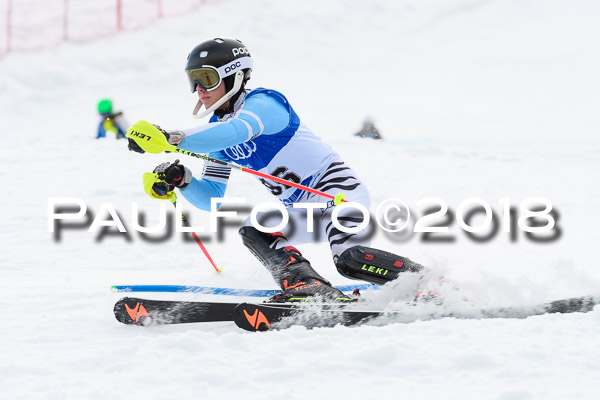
(373, 265)
(292, 272)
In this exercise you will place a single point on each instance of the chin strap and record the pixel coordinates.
(237, 84)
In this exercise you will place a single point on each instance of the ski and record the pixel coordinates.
(222, 290)
(262, 317)
(581, 304)
(136, 311)
(265, 316)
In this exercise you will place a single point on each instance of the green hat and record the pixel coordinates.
(105, 106)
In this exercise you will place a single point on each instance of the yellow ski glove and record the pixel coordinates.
(149, 138)
(153, 184)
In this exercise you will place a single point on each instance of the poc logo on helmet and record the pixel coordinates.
(240, 50)
(232, 67)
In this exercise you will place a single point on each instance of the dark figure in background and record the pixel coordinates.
(111, 121)
(368, 130)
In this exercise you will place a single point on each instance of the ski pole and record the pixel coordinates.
(187, 224)
(158, 143)
(149, 181)
(338, 198)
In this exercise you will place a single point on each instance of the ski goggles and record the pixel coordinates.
(209, 78)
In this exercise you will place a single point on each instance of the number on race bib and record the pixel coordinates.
(280, 172)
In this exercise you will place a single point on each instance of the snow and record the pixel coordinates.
(490, 99)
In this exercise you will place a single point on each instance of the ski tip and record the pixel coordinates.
(130, 311)
(250, 318)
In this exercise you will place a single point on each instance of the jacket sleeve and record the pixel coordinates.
(261, 115)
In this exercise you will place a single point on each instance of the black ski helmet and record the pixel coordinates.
(216, 60)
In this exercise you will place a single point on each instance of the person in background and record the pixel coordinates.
(368, 130)
(111, 121)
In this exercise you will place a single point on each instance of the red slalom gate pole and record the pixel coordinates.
(159, 5)
(8, 25)
(66, 20)
(119, 15)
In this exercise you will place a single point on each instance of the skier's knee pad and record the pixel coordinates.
(373, 265)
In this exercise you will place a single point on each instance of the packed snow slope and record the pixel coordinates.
(489, 99)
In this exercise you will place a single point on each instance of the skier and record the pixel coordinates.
(259, 129)
(110, 121)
